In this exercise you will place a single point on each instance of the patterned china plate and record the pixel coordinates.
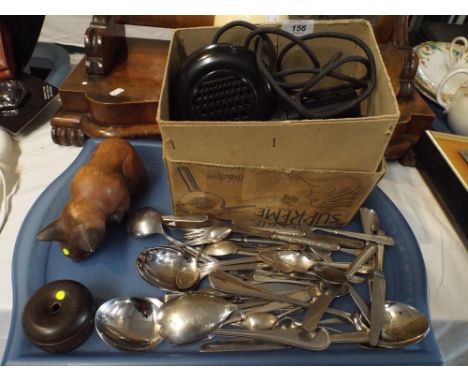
(434, 64)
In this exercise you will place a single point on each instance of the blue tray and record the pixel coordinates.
(111, 272)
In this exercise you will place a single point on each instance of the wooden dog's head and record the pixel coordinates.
(80, 229)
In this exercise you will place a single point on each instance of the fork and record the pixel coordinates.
(205, 235)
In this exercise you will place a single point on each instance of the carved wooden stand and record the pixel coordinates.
(114, 91)
(401, 63)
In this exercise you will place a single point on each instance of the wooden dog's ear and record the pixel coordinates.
(52, 232)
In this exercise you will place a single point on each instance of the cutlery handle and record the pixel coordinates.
(360, 303)
(307, 241)
(239, 345)
(386, 240)
(319, 340)
(364, 213)
(341, 241)
(244, 260)
(377, 307)
(350, 337)
(291, 231)
(184, 218)
(379, 263)
(369, 251)
(319, 307)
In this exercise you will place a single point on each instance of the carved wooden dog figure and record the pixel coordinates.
(99, 193)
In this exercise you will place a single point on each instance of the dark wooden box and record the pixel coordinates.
(446, 171)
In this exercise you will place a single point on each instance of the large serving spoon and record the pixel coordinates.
(191, 317)
(129, 323)
(403, 325)
(174, 269)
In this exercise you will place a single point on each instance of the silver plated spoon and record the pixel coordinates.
(129, 323)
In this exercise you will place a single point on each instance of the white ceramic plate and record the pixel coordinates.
(434, 64)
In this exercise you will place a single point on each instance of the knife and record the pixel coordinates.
(288, 238)
(377, 308)
(293, 231)
(386, 240)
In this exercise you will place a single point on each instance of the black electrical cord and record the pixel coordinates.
(297, 94)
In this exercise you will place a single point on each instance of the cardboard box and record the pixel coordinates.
(269, 195)
(349, 144)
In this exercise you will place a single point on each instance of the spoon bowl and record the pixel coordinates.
(163, 266)
(172, 268)
(192, 317)
(129, 323)
(258, 321)
(403, 323)
(144, 222)
(147, 221)
(228, 247)
(287, 323)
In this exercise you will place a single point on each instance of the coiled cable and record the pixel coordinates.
(297, 94)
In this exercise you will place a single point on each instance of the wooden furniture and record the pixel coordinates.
(401, 63)
(18, 38)
(114, 90)
(7, 67)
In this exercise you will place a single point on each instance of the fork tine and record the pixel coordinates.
(193, 235)
(193, 242)
(194, 230)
